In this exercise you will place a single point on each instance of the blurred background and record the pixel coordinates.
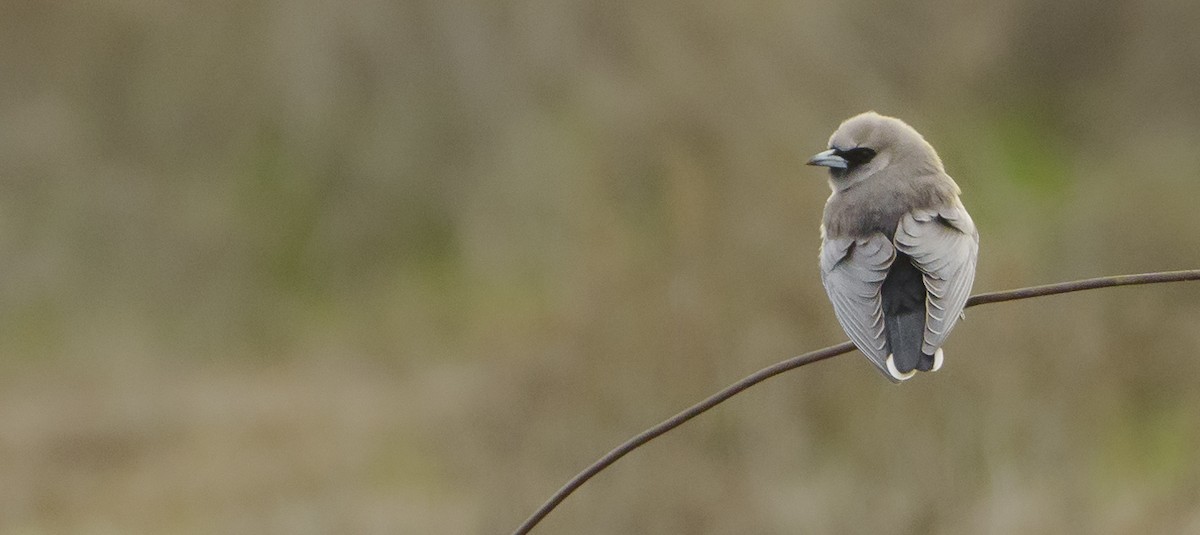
(406, 267)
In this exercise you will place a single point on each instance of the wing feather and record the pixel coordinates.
(943, 244)
(853, 272)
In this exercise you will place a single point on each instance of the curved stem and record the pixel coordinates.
(808, 358)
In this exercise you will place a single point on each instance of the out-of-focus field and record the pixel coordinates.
(405, 267)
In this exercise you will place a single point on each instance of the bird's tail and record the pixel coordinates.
(904, 334)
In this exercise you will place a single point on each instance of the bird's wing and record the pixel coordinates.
(853, 272)
(943, 244)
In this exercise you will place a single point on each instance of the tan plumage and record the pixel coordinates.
(898, 248)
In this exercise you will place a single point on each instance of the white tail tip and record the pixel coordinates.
(937, 360)
(891, 366)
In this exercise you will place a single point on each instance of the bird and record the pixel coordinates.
(898, 249)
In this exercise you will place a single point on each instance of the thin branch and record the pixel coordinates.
(822, 354)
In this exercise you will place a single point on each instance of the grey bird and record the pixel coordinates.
(898, 248)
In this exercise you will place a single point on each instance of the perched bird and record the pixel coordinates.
(897, 247)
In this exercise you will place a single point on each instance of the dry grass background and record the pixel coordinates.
(404, 267)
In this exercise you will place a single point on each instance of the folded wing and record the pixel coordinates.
(943, 244)
(853, 271)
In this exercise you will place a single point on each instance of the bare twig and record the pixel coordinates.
(822, 354)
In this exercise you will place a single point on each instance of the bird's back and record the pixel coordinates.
(878, 205)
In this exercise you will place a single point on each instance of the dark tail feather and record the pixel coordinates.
(904, 334)
(904, 315)
(926, 363)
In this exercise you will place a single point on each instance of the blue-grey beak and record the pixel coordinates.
(829, 159)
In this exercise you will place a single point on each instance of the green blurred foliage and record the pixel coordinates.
(406, 267)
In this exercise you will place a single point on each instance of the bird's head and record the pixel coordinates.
(869, 142)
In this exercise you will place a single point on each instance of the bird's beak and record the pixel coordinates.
(829, 159)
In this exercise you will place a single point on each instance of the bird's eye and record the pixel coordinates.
(856, 156)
